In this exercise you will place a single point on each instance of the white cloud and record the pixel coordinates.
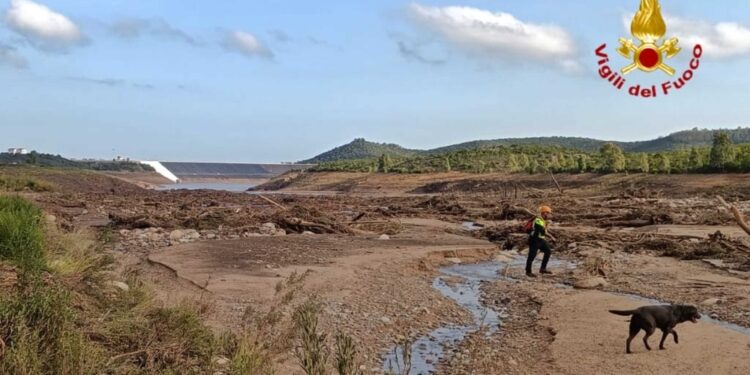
(498, 35)
(719, 40)
(9, 56)
(42, 26)
(246, 44)
(131, 28)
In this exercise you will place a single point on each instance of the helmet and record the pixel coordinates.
(545, 210)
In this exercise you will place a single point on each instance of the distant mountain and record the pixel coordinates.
(686, 139)
(57, 161)
(584, 144)
(362, 149)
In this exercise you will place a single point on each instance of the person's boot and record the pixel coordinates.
(545, 272)
(530, 274)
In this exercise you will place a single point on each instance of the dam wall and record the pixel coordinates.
(181, 171)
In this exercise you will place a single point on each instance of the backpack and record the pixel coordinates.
(528, 227)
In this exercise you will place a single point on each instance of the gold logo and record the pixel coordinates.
(648, 27)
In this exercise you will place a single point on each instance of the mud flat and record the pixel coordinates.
(392, 259)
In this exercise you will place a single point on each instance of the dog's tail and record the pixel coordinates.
(623, 313)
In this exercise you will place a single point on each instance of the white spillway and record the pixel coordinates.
(162, 170)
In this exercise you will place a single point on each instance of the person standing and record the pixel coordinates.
(538, 241)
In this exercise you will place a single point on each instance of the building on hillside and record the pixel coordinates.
(18, 151)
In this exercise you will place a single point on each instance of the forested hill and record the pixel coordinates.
(57, 161)
(362, 149)
(686, 139)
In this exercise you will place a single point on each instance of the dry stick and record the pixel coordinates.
(137, 352)
(737, 214)
(272, 202)
(556, 183)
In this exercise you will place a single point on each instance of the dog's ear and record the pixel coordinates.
(681, 312)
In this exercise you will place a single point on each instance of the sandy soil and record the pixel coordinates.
(370, 247)
(590, 340)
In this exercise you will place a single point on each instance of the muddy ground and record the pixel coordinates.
(370, 247)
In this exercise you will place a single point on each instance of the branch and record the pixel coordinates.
(271, 201)
(556, 183)
(737, 214)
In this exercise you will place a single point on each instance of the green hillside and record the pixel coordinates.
(361, 149)
(57, 161)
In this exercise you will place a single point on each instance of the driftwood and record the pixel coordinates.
(556, 183)
(298, 225)
(271, 202)
(736, 213)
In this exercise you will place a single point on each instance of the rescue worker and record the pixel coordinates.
(538, 241)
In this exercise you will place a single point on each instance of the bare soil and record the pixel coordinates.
(372, 244)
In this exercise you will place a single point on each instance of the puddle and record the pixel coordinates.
(429, 349)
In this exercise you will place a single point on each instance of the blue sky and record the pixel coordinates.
(268, 81)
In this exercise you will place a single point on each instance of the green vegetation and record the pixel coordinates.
(21, 236)
(60, 316)
(361, 149)
(47, 160)
(24, 184)
(60, 313)
(610, 158)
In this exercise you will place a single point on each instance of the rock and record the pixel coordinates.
(513, 362)
(590, 283)
(192, 233)
(454, 260)
(384, 237)
(210, 236)
(385, 320)
(715, 316)
(268, 228)
(119, 285)
(51, 219)
(308, 233)
(221, 361)
(711, 302)
(176, 235)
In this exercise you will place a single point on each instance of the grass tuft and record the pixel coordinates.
(21, 235)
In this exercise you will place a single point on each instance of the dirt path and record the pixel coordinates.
(590, 340)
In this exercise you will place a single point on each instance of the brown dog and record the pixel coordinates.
(649, 318)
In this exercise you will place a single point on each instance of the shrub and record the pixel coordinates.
(21, 235)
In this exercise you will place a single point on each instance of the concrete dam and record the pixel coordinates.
(188, 171)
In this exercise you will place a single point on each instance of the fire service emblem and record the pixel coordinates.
(649, 54)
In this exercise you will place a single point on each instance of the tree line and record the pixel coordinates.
(722, 156)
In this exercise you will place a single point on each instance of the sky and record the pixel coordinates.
(281, 80)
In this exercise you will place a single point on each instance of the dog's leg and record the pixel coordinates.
(630, 339)
(676, 338)
(664, 335)
(634, 329)
(649, 332)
